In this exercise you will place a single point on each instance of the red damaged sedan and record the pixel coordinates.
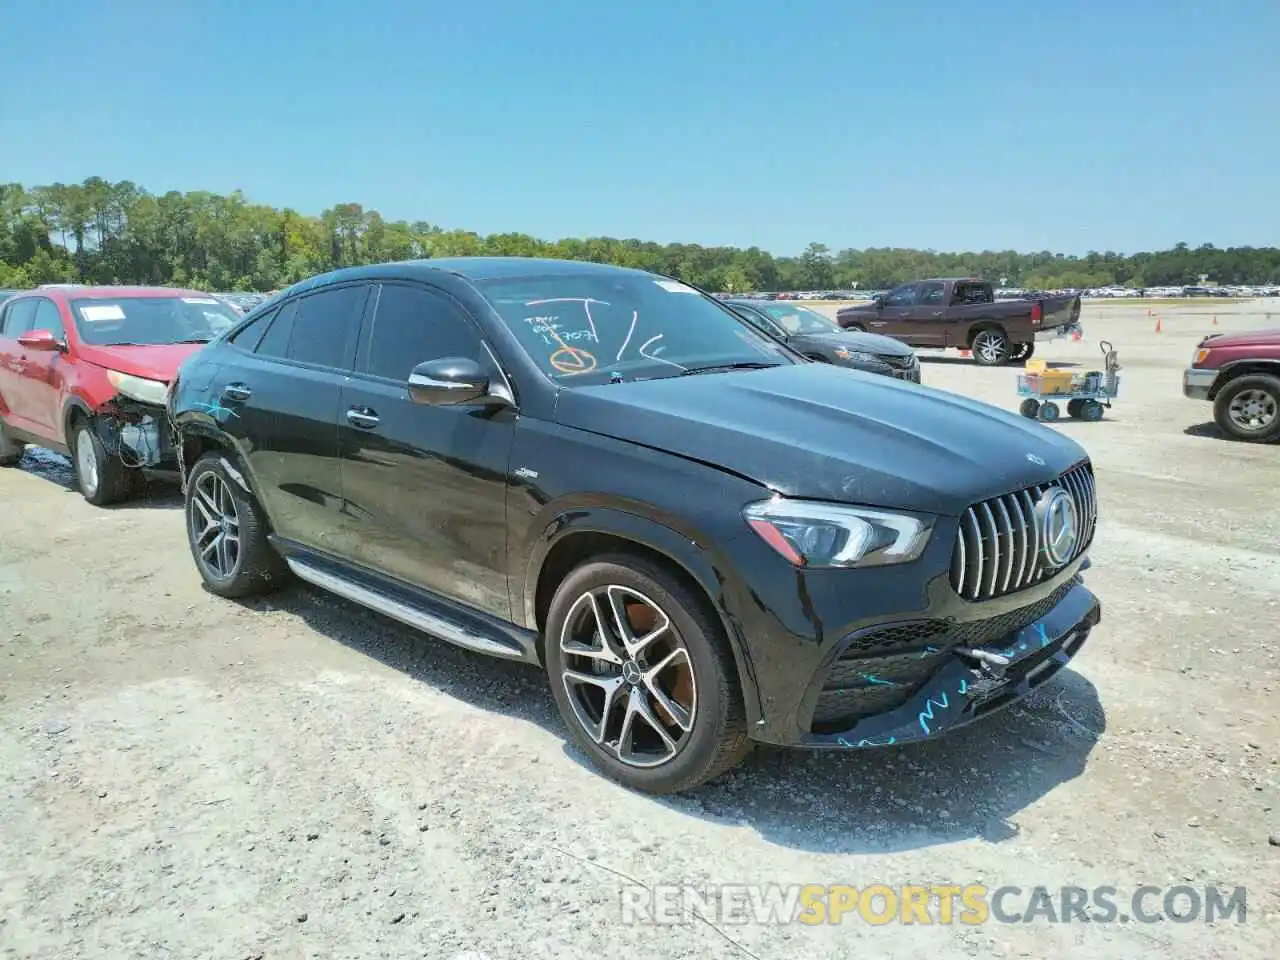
(85, 371)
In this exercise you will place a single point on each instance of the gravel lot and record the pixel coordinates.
(182, 776)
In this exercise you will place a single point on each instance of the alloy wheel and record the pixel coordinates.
(86, 462)
(1253, 410)
(628, 675)
(215, 526)
(990, 347)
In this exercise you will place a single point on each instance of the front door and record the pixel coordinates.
(892, 318)
(925, 324)
(44, 373)
(279, 398)
(425, 486)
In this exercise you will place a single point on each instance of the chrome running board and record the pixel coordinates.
(406, 613)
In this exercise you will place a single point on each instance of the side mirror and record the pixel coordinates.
(448, 381)
(40, 340)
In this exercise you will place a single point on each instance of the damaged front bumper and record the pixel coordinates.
(138, 433)
(967, 687)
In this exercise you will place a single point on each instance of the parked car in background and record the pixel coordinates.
(84, 370)
(1239, 373)
(820, 338)
(964, 313)
(704, 538)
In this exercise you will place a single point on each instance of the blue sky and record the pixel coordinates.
(1123, 125)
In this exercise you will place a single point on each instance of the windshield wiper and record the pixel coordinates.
(740, 365)
(192, 340)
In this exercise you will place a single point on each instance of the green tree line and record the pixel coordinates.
(103, 232)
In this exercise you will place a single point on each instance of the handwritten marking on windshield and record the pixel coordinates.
(572, 361)
(586, 305)
(644, 352)
(635, 315)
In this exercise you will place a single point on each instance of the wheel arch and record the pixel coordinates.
(978, 326)
(569, 542)
(1242, 368)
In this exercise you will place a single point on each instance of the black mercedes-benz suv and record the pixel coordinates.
(705, 538)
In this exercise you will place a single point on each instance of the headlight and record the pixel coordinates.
(816, 534)
(857, 356)
(139, 388)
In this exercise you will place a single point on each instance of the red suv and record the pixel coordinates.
(1240, 374)
(85, 371)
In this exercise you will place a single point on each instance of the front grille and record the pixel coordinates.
(997, 549)
(899, 362)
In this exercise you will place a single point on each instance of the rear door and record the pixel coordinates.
(16, 320)
(279, 390)
(426, 486)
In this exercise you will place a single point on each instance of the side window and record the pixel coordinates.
(903, 296)
(49, 317)
(19, 317)
(931, 293)
(970, 293)
(248, 337)
(275, 342)
(411, 326)
(323, 323)
(753, 318)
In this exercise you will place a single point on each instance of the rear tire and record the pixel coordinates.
(1091, 412)
(1075, 408)
(11, 451)
(1030, 408)
(1248, 408)
(102, 477)
(1049, 412)
(227, 533)
(599, 685)
(990, 347)
(1022, 352)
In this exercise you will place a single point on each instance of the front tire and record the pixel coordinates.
(1248, 408)
(643, 676)
(990, 347)
(10, 450)
(227, 532)
(102, 477)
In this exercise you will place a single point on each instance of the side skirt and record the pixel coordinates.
(413, 606)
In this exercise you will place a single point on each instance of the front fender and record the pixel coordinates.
(697, 556)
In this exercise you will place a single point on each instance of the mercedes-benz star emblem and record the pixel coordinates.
(1059, 525)
(631, 672)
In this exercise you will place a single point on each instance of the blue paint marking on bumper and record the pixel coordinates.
(959, 694)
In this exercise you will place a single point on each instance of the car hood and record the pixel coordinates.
(851, 340)
(159, 362)
(1248, 338)
(830, 433)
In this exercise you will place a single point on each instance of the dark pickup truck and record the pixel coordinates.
(964, 313)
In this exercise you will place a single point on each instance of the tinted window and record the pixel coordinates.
(797, 319)
(19, 317)
(275, 342)
(971, 293)
(758, 321)
(49, 317)
(902, 296)
(931, 293)
(322, 324)
(247, 337)
(411, 326)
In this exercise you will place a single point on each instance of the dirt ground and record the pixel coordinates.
(183, 776)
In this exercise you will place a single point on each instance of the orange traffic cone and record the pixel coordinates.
(1159, 325)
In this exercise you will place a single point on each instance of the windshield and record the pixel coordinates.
(594, 328)
(794, 318)
(105, 322)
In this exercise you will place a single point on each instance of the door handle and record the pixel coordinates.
(236, 391)
(362, 417)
